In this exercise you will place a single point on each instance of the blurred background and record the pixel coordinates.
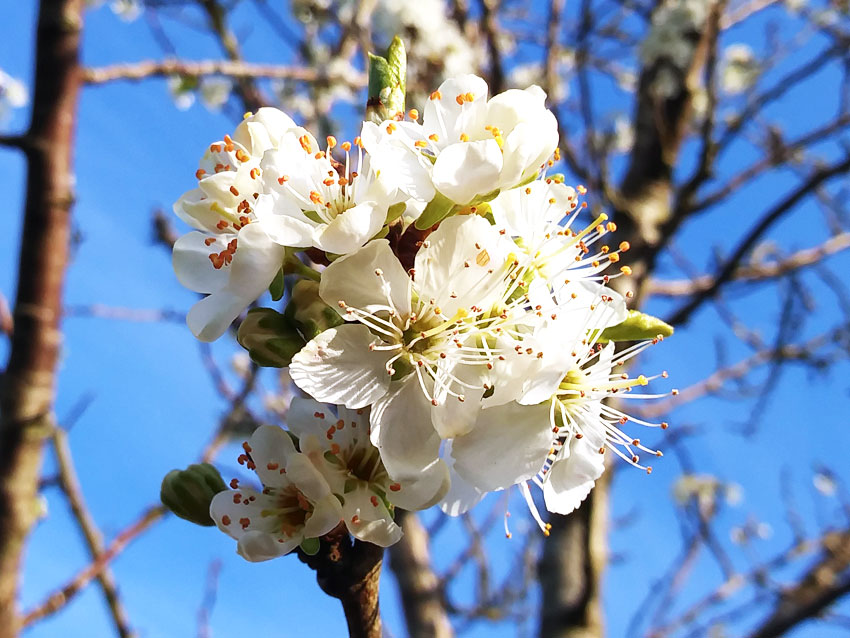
(715, 133)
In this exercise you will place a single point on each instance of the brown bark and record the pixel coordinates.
(574, 555)
(29, 381)
(418, 585)
(350, 571)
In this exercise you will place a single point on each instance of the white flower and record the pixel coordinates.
(215, 92)
(294, 504)
(230, 256)
(740, 68)
(13, 94)
(339, 446)
(425, 349)
(316, 201)
(468, 147)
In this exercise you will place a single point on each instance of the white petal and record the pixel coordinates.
(327, 514)
(402, 430)
(191, 261)
(256, 546)
(271, 448)
(423, 490)
(194, 208)
(352, 228)
(256, 262)
(462, 494)
(570, 480)
(283, 222)
(301, 417)
(467, 169)
(367, 521)
(509, 444)
(447, 118)
(461, 264)
(396, 160)
(352, 279)
(262, 130)
(338, 367)
(210, 317)
(453, 417)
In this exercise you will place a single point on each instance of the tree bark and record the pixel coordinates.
(27, 394)
(410, 560)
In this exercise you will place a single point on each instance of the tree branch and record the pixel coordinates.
(410, 561)
(70, 485)
(726, 273)
(26, 402)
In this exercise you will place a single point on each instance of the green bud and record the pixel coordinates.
(270, 338)
(310, 546)
(387, 83)
(188, 493)
(637, 327)
(308, 312)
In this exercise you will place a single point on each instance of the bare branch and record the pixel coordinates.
(137, 71)
(94, 540)
(755, 272)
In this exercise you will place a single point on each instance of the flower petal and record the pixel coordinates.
(402, 430)
(191, 261)
(467, 169)
(352, 228)
(509, 444)
(462, 494)
(352, 279)
(327, 514)
(338, 367)
(368, 519)
(271, 447)
(257, 546)
(570, 479)
(424, 490)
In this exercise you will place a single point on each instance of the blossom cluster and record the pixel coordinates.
(460, 337)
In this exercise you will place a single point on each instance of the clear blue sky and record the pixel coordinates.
(152, 406)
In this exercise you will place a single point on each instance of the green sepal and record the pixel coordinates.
(270, 338)
(188, 493)
(395, 211)
(436, 211)
(278, 286)
(310, 546)
(638, 326)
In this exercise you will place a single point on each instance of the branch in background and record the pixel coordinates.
(26, 402)
(755, 272)
(496, 78)
(101, 311)
(137, 71)
(418, 585)
(727, 271)
(824, 583)
(7, 323)
(208, 601)
(70, 486)
(62, 596)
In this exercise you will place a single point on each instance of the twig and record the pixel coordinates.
(101, 311)
(70, 485)
(755, 272)
(137, 71)
(208, 601)
(67, 592)
(726, 272)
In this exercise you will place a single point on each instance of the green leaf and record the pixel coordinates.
(637, 327)
(436, 211)
(310, 546)
(278, 286)
(387, 83)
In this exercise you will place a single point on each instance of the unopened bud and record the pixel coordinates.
(308, 312)
(387, 83)
(188, 493)
(270, 338)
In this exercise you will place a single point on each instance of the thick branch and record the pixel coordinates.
(410, 561)
(826, 582)
(351, 572)
(26, 401)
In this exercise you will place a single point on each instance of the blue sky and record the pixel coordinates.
(152, 406)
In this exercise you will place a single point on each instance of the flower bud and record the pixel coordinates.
(188, 493)
(387, 80)
(308, 312)
(270, 338)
